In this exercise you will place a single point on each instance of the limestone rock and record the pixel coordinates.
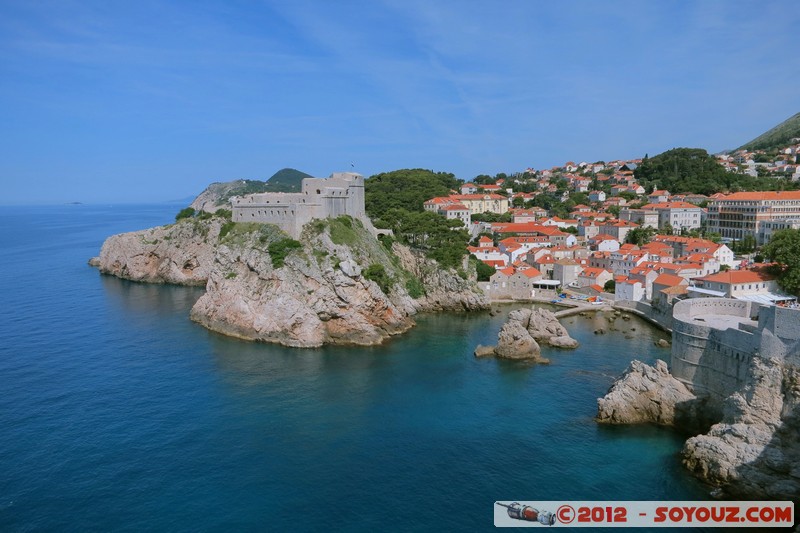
(444, 289)
(754, 450)
(181, 253)
(484, 351)
(514, 342)
(318, 297)
(543, 326)
(351, 269)
(645, 394)
(306, 303)
(565, 341)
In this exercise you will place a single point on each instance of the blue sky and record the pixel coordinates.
(150, 101)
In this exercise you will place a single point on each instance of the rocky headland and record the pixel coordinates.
(752, 452)
(523, 333)
(336, 285)
(645, 394)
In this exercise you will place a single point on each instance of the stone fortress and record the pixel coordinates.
(715, 339)
(340, 194)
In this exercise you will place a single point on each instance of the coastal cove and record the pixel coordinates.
(121, 413)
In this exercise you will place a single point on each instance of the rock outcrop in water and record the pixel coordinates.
(644, 394)
(544, 327)
(755, 450)
(336, 287)
(520, 336)
(514, 342)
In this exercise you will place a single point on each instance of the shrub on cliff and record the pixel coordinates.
(279, 249)
(187, 212)
(377, 273)
(342, 231)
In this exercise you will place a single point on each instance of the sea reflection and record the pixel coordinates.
(147, 298)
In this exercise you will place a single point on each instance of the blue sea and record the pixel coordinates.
(117, 413)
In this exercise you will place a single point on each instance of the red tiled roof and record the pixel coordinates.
(735, 277)
(495, 262)
(670, 280)
(532, 273)
(762, 195)
(670, 205)
(592, 272)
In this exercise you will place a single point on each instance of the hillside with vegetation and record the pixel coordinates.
(405, 189)
(395, 200)
(693, 170)
(780, 135)
(218, 194)
(286, 180)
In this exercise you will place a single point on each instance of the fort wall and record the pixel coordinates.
(340, 194)
(715, 339)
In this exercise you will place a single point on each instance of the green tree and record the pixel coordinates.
(492, 217)
(694, 170)
(784, 249)
(609, 286)
(186, 212)
(278, 250)
(483, 179)
(405, 189)
(440, 239)
(640, 236)
(484, 271)
(377, 273)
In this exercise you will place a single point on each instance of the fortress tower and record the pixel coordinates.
(340, 194)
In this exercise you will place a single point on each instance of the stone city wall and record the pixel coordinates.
(709, 360)
(340, 194)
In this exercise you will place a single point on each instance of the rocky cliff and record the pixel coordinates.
(647, 393)
(338, 286)
(753, 452)
(180, 253)
(444, 290)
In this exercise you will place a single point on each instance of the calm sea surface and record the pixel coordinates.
(118, 413)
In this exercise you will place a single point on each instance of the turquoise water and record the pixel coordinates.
(118, 413)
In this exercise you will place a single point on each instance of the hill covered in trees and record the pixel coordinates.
(395, 200)
(286, 180)
(405, 189)
(693, 170)
(779, 136)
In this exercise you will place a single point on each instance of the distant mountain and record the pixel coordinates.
(218, 195)
(780, 135)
